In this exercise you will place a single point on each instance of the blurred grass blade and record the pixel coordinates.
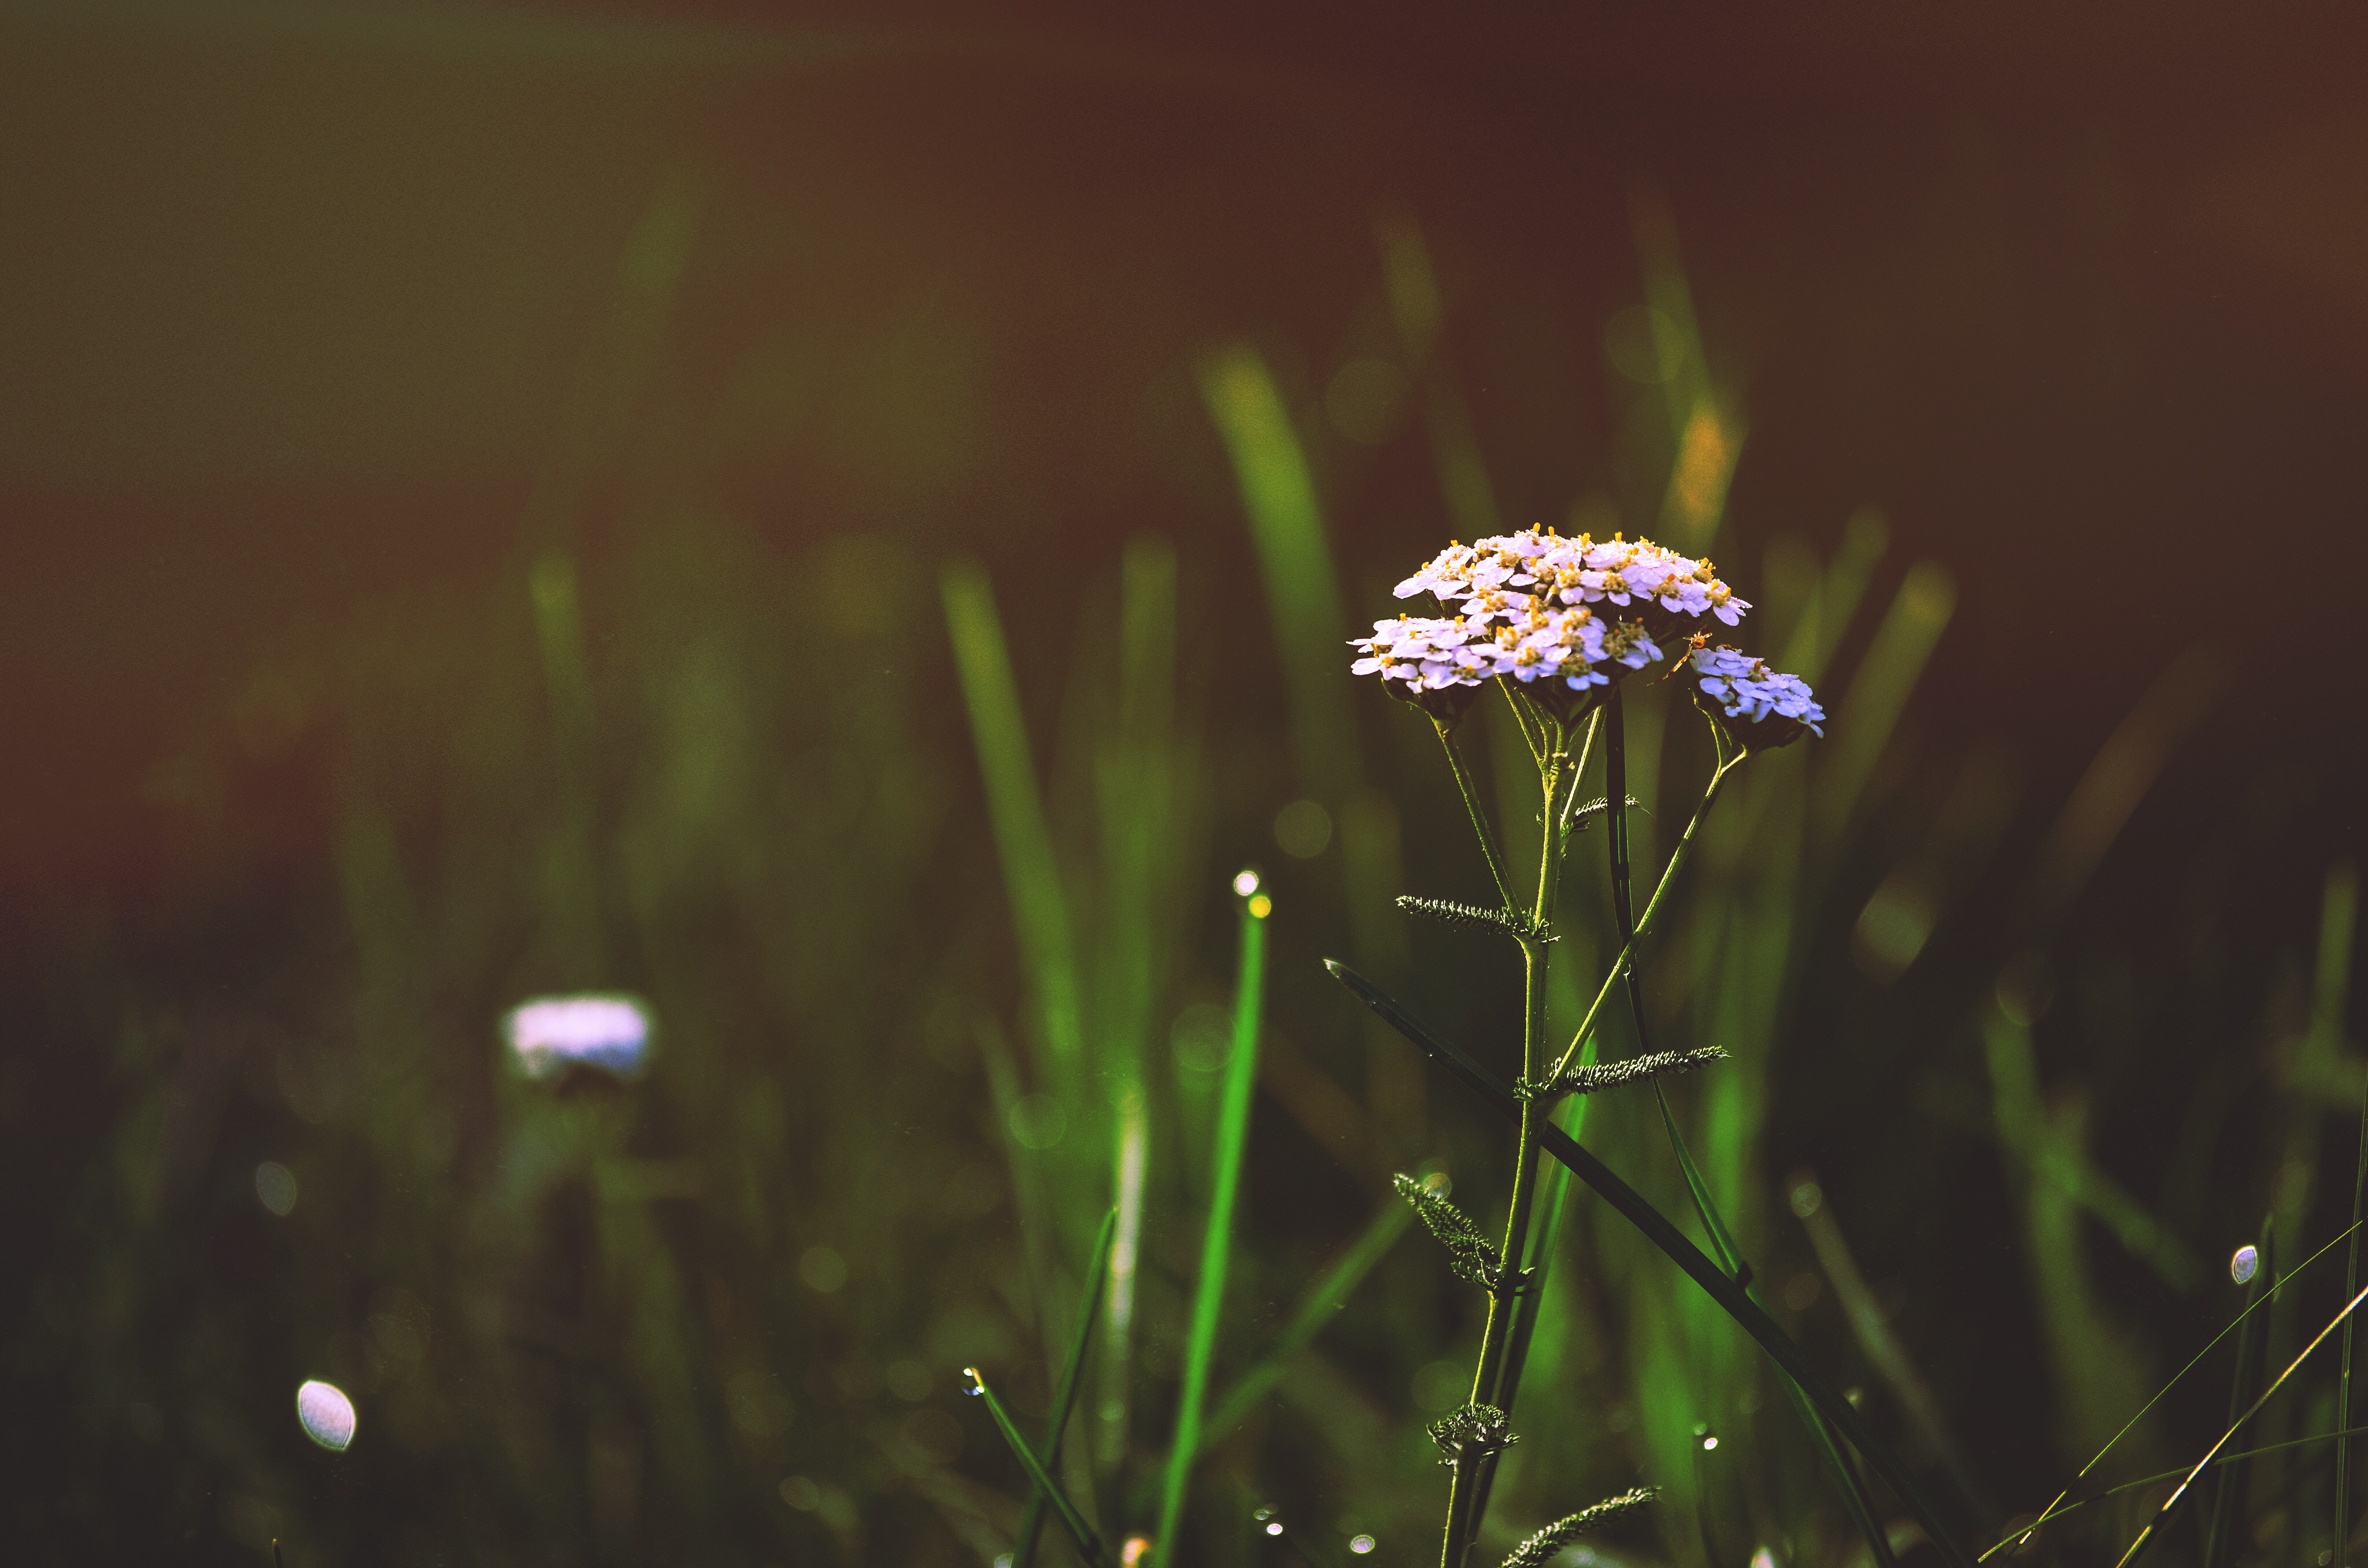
(2171, 1502)
(1846, 1477)
(1027, 1179)
(1874, 1336)
(1022, 839)
(1656, 1228)
(1302, 591)
(1216, 1247)
(1057, 1426)
(2124, 768)
(1089, 1544)
(1817, 636)
(1871, 706)
(1321, 1305)
(1413, 291)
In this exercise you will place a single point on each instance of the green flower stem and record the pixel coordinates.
(1494, 1381)
(1479, 818)
(1673, 1243)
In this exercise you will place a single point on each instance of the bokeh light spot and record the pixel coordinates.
(1302, 828)
(275, 1187)
(1362, 1544)
(2242, 1266)
(1245, 884)
(822, 1269)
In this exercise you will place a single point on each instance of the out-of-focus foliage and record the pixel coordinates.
(917, 856)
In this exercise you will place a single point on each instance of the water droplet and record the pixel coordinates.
(1261, 906)
(2241, 1266)
(1246, 884)
(1360, 1544)
(1274, 1528)
(327, 1416)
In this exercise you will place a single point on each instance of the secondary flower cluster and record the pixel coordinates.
(1761, 707)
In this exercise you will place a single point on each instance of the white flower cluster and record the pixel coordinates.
(1764, 708)
(1538, 607)
(1540, 565)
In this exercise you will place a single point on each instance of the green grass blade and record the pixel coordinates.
(1302, 591)
(1871, 706)
(1023, 840)
(1716, 1283)
(1089, 1544)
(1320, 1306)
(1217, 1248)
(1057, 1426)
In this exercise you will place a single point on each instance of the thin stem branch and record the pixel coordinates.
(1677, 857)
(1479, 818)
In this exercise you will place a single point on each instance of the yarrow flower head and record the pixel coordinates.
(1760, 708)
(1566, 617)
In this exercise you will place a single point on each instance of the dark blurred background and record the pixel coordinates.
(475, 484)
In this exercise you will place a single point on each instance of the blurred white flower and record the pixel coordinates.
(549, 1035)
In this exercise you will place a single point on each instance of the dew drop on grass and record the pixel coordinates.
(1246, 884)
(327, 1416)
(2241, 1266)
(1360, 1544)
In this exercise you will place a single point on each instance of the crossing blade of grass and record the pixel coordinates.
(1656, 1228)
(2343, 1391)
(2228, 1490)
(1023, 840)
(2058, 1508)
(1057, 1426)
(1216, 1247)
(2160, 1476)
(1089, 1543)
(2172, 1502)
(1322, 1305)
